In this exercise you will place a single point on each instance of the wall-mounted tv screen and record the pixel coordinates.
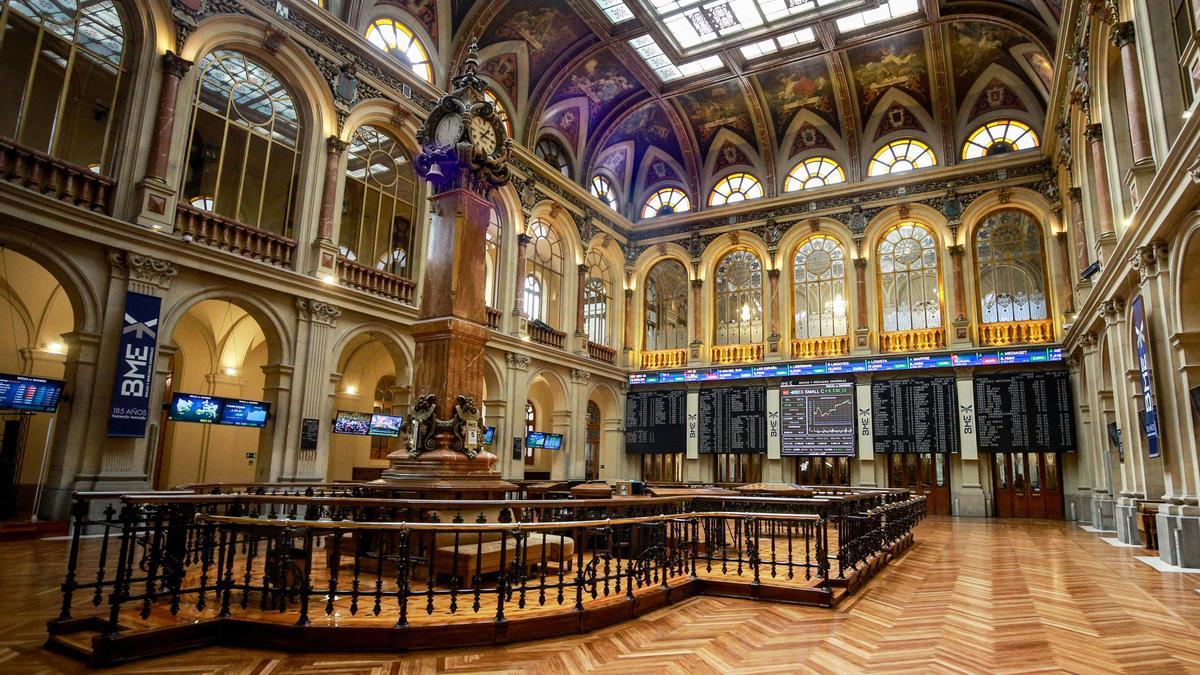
(386, 425)
(352, 423)
(553, 442)
(242, 413)
(195, 408)
(33, 394)
(535, 439)
(489, 435)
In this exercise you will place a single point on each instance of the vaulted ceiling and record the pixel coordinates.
(564, 69)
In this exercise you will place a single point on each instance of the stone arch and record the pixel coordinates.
(85, 302)
(579, 104)
(372, 10)
(1185, 318)
(966, 124)
(896, 97)
(644, 186)
(756, 167)
(786, 159)
(279, 337)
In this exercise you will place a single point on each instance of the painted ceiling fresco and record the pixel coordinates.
(582, 81)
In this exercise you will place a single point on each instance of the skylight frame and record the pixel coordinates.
(888, 10)
(664, 68)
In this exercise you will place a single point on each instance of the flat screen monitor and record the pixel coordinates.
(241, 413)
(386, 425)
(33, 394)
(195, 408)
(352, 423)
(553, 442)
(489, 435)
(535, 439)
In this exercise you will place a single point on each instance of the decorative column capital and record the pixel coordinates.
(628, 294)
(1075, 195)
(860, 264)
(523, 240)
(1094, 133)
(1122, 34)
(773, 274)
(145, 274)
(697, 284)
(517, 361)
(583, 270)
(1149, 260)
(580, 376)
(335, 145)
(956, 250)
(175, 65)
(318, 311)
(1111, 310)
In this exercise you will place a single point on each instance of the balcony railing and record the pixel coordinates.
(602, 353)
(493, 318)
(737, 353)
(545, 335)
(820, 347)
(925, 339)
(664, 358)
(206, 227)
(61, 180)
(1016, 333)
(376, 282)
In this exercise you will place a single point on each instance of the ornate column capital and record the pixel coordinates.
(517, 361)
(335, 145)
(1149, 260)
(175, 65)
(1112, 311)
(697, 283)
(1122, 34)
(583, 270)
(1094, 132)
(956, 250)
(1075, 194)
(773, 274)
(580, 376)
(523, 240)
(145, 273)
(860, 264)
(318, 311)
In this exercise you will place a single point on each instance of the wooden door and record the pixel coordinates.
(822, 470)
(1027, 485)
(924, 473)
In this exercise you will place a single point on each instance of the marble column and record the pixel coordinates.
(517, 386)
(580, 320)
(697, 323)
(1135, 104)
(773, 288)
(627, 333)
(68, 454)
(862, 320)
(173, 69)
(1104, 207)
(523, 241)
(1064, 264)
(1082, 257)
(960, 292)
(272, 439)
(334, 149)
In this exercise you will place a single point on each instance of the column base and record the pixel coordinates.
(1138, 178)
(1179, 535)
(324, 261)
(1079, 506)
(960, 332)
(970, 502)
(1102, 510)
(1125, 517)
(156, 208)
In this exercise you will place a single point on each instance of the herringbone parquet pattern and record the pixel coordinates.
(970, 596)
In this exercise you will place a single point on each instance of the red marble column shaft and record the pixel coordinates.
(697, 328)
(173, 70)
(960, 289)
(333, 159)
(580, 326)
(1135, 102)
(1104, 212)
(860, 292)
(519, 292)
(1064, 264)
(628, 336)
(1082, 257)
(773, 276)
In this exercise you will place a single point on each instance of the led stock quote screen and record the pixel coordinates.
(817, 417)
(656, 422)
(733, 420)
(918, 414)
(1025, 412)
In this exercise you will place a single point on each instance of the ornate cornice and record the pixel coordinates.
(1148, 260)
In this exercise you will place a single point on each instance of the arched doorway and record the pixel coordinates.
(372, 379)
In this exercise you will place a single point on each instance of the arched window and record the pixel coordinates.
(814, 172)
(552, 152)
(736, 187)
(385, 401)
(530, 425)
(597, 290)
(501, 112)
(377, 204)
(819, 288)
(900, 156)
(491, 260)
(1011, 268)
(666, 306)
(910, 280)
(399, 42)
(665, 202)
(544, 264)
(1001, 136)
(64, 73)
(243, 155)
(602, 189)
(739, 282)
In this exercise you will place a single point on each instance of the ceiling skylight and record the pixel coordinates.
(779, 43)
(663, 67)
(892, 9)
(616, 10)
(699, 24)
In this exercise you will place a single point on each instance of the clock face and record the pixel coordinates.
(449, 129)
(482, 135)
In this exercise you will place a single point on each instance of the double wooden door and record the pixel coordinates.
(923, 473)
(1027, 484)
(822, 470)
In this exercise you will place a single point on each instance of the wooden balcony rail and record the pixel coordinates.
(70, 183)
(737, 353)
(373, 281)
(545, 335)
(922, 340)
(1016, 333)
(206, 227)
(664, 358)
(602, 353)
(493, 318)
(820, 347)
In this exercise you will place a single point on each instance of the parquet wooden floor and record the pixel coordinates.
(970, 596)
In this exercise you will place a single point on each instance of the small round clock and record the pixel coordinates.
(449, 129)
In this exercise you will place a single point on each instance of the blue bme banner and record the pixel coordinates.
(130, 408)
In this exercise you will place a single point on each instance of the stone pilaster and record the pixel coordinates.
(317, 320)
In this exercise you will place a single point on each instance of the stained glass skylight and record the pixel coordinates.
(664, 67)
(779, 43)
(616, 10)
(700, 24)
(886, 11)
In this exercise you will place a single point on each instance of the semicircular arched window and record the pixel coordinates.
(814, 172)
(552, 152)
(244, 151)
(665, 202)
(491, 261)
(910, 280)
(900, 156)
(65, 69)
(999, 137)
(736, 187)
(666, 306)
(602, 189)
(501, 111)
(1011, 268)
(597, 291)
(398, 41)
(819, 288)
(738, 287)
(378, 201)
(544, 265)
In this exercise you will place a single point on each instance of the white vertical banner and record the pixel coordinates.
(773, 440)
(693, 424)
(967, 441)
(865, 429)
